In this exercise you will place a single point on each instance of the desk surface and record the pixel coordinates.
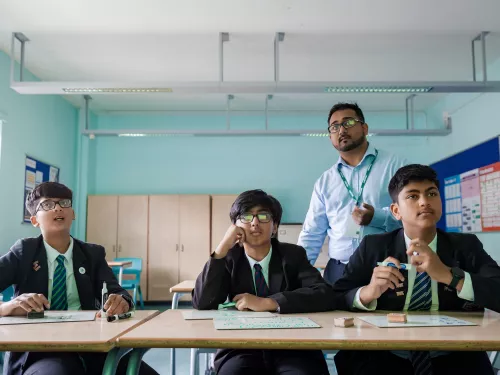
(119, 264)
(185, 287)
(95, 336)
(170, 330)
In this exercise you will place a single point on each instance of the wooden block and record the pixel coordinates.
(36, 315)
(343, 322)
(396, 318)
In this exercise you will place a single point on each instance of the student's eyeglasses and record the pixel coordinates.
(50, 204)
(263, 217)
(347, 123)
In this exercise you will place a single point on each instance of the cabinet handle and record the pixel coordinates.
(119, 248)
(176, 247)
(182, 247)
(114, 249)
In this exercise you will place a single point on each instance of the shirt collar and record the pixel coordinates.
(432, 245)
(264, 263)
(369, 151)
(52, 253)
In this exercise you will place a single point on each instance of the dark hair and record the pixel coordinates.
(253, 198)
(343, 106)
(411, 173)
(46, 190)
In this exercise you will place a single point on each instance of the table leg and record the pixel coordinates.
(175, 305)
(112, 360)
(120, 276)
(134, 362)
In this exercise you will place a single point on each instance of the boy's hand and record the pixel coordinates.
(234, 235)
(428, 261)
(248, 301)
(383, 278)
(115, 305)
(23, 304)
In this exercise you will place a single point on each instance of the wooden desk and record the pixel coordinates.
(170, 330)
(122, 265)
(184, 287)
(95, 336)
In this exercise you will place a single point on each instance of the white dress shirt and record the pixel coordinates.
(71, 288)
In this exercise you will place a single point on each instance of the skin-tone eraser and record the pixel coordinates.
(396, 318)
(343, 322)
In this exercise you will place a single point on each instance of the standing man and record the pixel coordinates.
(349, 200)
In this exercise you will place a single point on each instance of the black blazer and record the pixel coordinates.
(454, 249)
(294, 283)
(17, 269)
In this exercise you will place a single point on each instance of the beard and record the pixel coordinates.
(353, 144)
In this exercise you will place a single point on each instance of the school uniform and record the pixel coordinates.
(481, 289)
(70, 281)
(284, 275)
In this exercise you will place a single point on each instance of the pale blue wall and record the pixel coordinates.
(284, 166)
(41, 126)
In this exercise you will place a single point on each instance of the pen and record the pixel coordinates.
(403, 266)
(104, 297)
(127, 315)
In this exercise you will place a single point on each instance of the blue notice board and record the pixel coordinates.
(36, 172)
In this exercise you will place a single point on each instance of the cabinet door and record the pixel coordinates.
(194, 220)
(102, 222)
(164, 246)
(133, 232)
(221, 204)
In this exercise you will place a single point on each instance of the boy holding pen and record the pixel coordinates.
(56, 272)
(444, 271)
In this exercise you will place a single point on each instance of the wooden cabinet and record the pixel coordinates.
(221, 205)
(290, 233)
(120, 224)
(179, 241)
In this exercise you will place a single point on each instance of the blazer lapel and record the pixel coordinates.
(39, 279)
(82, 271)
(275, 270)
(400, 247)
(242, 276)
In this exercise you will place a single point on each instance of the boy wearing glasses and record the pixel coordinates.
(255, 270)
(350, 199)
(56, 272)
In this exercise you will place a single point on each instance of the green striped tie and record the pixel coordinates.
(59, 297)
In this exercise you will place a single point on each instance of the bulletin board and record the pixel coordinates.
(470, 188)
(36, 172)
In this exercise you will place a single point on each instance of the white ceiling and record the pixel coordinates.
(332, 40)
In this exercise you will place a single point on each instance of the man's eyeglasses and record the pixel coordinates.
(347, 123)
(50, 204)
(263, 217)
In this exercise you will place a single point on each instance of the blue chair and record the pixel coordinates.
(7, 295)
(132, 284)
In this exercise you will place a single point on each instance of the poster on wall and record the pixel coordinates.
(489, 179)
(472, 200)
(35, 173)
(453, 204)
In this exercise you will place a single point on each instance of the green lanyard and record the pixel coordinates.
(349, 188)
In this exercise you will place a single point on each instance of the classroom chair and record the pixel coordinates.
(7, 295)
(135, 283)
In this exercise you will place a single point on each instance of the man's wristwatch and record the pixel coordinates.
(458, 275)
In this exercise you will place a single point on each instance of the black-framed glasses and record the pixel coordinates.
(347, 123)
(263, 217)
(49, 204)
